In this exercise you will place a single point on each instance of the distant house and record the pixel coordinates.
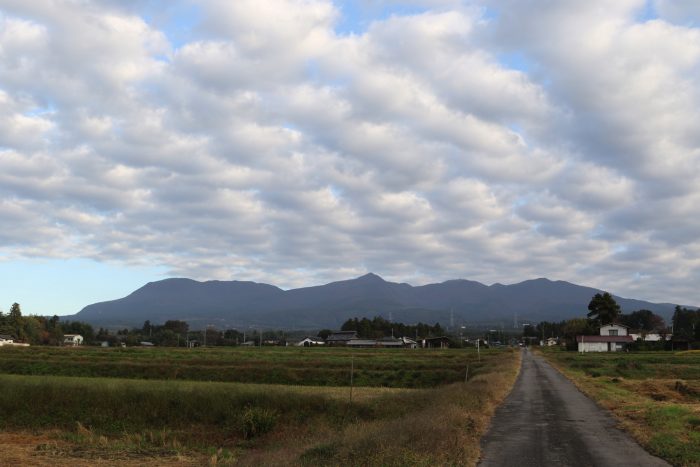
(341, 338)
(310, 342)
(72, 340)
(6, 340)
(612, 338)
(649, 337)
(549, 342)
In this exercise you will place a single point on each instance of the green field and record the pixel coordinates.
(400, 368)
(410, 406)
(655, 395)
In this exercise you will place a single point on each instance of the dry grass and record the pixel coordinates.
(382, 426)
(436, 427)
(49, 449)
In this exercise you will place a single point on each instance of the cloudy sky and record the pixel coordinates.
(297, 142)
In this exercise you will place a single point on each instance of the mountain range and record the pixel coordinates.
(242, 304)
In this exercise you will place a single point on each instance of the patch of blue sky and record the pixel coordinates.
(520, 202)
(357, 16)
(41, 110)
(61, 287)
(515, 61)
(178, 21)
(516, 128)
(489, 13)
(648, 13)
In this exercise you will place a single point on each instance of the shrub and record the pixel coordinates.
(256, 421)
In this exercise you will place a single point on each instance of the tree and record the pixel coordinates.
(643, 320)
(686, 323)
(177, 326)
(603, 309)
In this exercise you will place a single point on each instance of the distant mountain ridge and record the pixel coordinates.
(250, 304)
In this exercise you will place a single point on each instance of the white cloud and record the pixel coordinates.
(268, 146)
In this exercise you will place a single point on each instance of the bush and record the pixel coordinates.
(256, 421)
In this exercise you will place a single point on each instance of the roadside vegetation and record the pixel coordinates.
(191, 420)
(654, 395)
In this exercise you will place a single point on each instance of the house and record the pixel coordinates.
(72, 339)
(6, 340)
(341, 338)
(310, 342)
(612, 338)
(549, 342)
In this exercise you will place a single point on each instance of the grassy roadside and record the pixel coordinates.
(654, 396)
(187, 422)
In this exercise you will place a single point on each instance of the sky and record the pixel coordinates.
(297, 142)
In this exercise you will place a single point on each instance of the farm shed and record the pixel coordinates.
(442, 342)
(341, 338)
(362, 343)
(73, 339)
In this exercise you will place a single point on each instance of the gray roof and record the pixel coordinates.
(342, 336)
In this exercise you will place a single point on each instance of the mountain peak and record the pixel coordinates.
(370, 277)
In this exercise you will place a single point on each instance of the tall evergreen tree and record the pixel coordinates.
(603, 308)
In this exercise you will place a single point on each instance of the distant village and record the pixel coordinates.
(604, 329)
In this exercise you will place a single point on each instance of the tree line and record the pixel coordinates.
(603, 309)
(40, 330)
(379, 327)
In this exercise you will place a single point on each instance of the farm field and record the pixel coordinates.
(654, 395)
(409, 406)
(404, 368)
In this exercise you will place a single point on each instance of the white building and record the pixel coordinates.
(549, 342)
(72, 339)
(649, 337)
(612, 338)
(310, 342)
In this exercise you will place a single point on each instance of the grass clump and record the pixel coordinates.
(256, 421)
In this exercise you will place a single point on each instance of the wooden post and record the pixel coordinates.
(466, 374)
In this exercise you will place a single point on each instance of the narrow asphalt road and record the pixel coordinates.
(547, 421)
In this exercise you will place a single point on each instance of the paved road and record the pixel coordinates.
(546, 421)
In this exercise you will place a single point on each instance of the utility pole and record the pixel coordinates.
(352, 372)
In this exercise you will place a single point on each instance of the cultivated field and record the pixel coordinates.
(200, 406)
(655, 395)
